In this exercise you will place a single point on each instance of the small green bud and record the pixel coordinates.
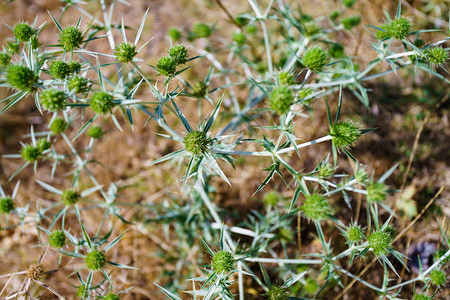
(95, 132)
(242, 20)
(59, 69)
(351, 22)
(78, 84)
(57, 239)
(380, 241)
(315, 59)
(167, 66)
(437, 55)
(281, 99)
(58, 125)
(43, 145)
(5, 59)
(179, 54)
(112, 297)
(376, 192)
(13, 47)
(21, 78)
(325, 170)
(286, 78)
(81, 292)
(277, 293)
(95, 260)
(334, 15)
(223, 261)
(199, 89)
(174, 33)
(23, 32)
(251, 29)
(196, 143)
(399, 28)
(102, 102)
(70, 197)
(336, 50)
(312, 29)
(438, 277)
(53, 99)
(419, 43)
(316, 207)
(271, 198)
(6, 205)
(125, 52)
(74, 66)
(201, 30)
(239, 38)
(71, 38)
(30, 153)
(348, 3)
(305, 92)
(345, 134)
(34, 42)
(361, 175)
(422, 297)
(384, 33)
(354, 234)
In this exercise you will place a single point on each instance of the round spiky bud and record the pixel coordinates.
(13, 47)
(315, 59)
(21, 78)
(281, 99)
(399, 28)
(305, 92)
(70, 197)
(376, 192)
(35, 271)
(271, 198)
(34, 42)
(286, 78)
(43, 145)
(345, 134)
(361, 175)
(239, 38)
(174, 33)
(384, 33)
(95, 260)
(78, 84)
(95, 132)
(336, 50)
(102, 102)
(59, 69)
(125, 52)
(380, 241)
(438, 277)
(112, 297)
(179, 53)
(354, 234)
(57, 239)
(316, 207)
(325, 170)
(71, 38)
(5, 59)
(6, 205)
(53, 99)
(58, 125)
(199, 89)
(223, 261)
(74, 66)
(23, 32)
(277, 293)
(196, 143)
(167, 66)
(348, 3)
(437, 55)
(30, 153)
(250, 28)
(351, 22)
(201, 30)
(422, 297)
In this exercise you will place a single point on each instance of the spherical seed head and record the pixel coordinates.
(277, 293)
(286, 78)
(345, 134)
(437, 55)
(281, 99)
(58, 125)
(351, 22)
(57, 239)
(422, 297)
(336, 50)
(199, 89)
(5, 59)
(71, 38)
(78, 84)
(30, 153)
(376, 192)
(201, 30)
(74, 66)
(95, 132)
(95, 260)
(53, 99)
(348, 3)
(35, 271)
(23, 32)
(316, 207)
(174, 34)
(239, 38)
(399, 28)
(271, 198)
(70, 197)
(167, 66)
(438, 277)
(102, 102)
(354, 234)
(43, 144)
(179, 53)
(196, 143)
(21, 78)
(125, 52)
(384, 33)
(223, 261)
(112, 297)
(379, 241)
(59, 69)
(6, 205)
(315, 59)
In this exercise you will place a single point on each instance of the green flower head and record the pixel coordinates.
(74, 66)
(336, 50)
(21, 78)
(348, 3)
(5, 59)
(6, 205)
(59, 69)
(196, 143)
(380, 241)
(315, 59)
(281, 99)
(13, 47)
(422, 297)
(174, 33)
(201, 30)
(57, 239)
(325, 170)
(34, 42)
(95, 260)
(351, 22)
(179, 54)
(167, 66)
(223, 261)
(399, 28)
(239, 38)
(23, 32)
(199, 89)
(78, 84)
(102, 102)
(95, 132)
(58, 125)
(383, 33)
(438, 277)
(286, 78)
(437, 55)
(316, 207)
(70, 197)
(277, 293)
(345, 134)
(30, 153)
(376, 192)
(71, 38)
(354, 234)
(43, 144)
(271, 198)
(53, 99)
(125, 52)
